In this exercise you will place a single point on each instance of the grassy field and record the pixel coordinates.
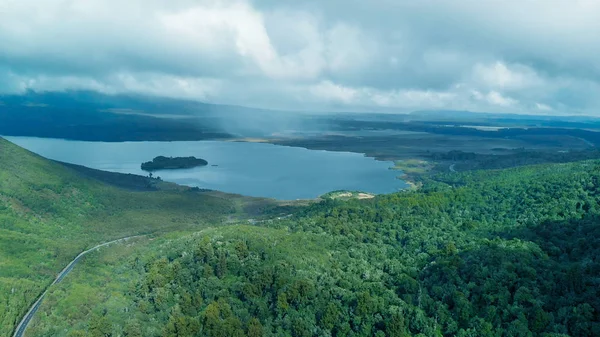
(413, 166)
(49, 213)
(435, 148)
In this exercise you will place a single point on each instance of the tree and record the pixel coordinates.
(133, 328)
(255, 329)
(331, 316)
(395, 326)
(99, 326)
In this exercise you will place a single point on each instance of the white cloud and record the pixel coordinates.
(150, 84)
(482, 55)
(347, 48)
(329, 91)
(500, 76)
(365, 96)
(493, 98)
(543, 107)
(412, 98)
(497, 98)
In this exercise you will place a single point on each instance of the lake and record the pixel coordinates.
(252, 169)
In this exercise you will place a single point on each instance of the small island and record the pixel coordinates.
(172, 163)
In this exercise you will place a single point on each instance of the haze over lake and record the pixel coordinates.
(253, 169)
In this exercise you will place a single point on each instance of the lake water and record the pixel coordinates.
(253, 169)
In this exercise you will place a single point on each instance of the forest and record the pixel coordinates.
(513, 252)
(50, 212)
(170, 163)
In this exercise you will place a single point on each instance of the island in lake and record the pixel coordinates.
(172, 163)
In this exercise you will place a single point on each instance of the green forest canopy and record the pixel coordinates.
(511, 252)
(170, 163)
(50, 213)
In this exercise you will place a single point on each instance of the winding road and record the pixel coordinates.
(34, 308)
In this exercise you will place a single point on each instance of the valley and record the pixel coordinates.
(494, 232)
(468, 140)
(401, 264)
(328, 168)
(49, 213)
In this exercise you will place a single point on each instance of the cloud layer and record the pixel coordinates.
(534, 56)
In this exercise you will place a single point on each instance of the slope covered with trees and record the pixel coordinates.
(49, 213)
(491, 253)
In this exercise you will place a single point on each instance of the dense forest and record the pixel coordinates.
(511, 252)
(50, 212)
(170, 163)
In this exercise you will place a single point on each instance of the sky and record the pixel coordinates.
(514, 56)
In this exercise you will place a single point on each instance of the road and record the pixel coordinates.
(452, 168)
(587, 142)
(34, 308)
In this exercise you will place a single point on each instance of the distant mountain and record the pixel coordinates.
(91, 116)
(469, 115)
(85, 115)
(89, 100)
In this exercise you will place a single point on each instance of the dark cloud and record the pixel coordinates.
(532, 56)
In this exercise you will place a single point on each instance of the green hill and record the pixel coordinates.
(491, 253)
(50, 212)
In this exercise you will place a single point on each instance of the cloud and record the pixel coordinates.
(496, 98)
(543, 107)
(334, 92)
(500, 75)
(524, 57)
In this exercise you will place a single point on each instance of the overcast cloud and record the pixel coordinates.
(536, 56)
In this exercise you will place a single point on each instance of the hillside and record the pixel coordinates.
(490, 253)
(97, 117)
(87, 115)
(50, 212)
